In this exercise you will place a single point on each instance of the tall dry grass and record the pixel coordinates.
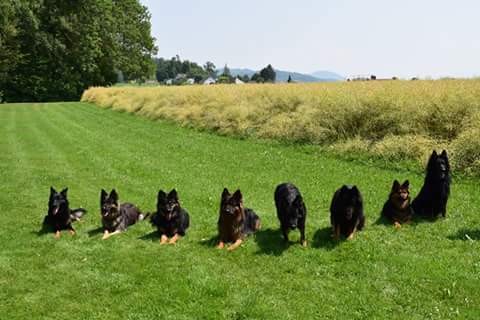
(387, 119)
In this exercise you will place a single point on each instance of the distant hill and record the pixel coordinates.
(282, 76)
(323, 74)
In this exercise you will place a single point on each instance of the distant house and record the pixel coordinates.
(180, 77)
(169, 82)
(190, 81)
(238, 81)
(209, 81)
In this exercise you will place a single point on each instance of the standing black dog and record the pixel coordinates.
(291, 210)
(171, 220)
(60, 216)
(433, 197)
(116, 217)
(346, 212)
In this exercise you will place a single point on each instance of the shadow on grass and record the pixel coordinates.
(211, 242)
(466, 235)
(45, 229)
(271, 242)
(153, 236)
(94, 232)
(323, 239)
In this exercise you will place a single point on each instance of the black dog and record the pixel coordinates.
(433, 197)
(116, 218)
(60, 216)
(171, 219)
(346, 212)
(291, 210)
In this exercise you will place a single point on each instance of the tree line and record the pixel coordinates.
(177, 71)
(53, 50)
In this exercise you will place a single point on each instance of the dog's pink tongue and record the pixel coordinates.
(55, 211)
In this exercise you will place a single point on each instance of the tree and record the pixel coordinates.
(63, 47)
(257, 78)
(268, 74)
(210, 68)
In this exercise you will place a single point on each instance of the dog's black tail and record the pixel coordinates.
(76, 214)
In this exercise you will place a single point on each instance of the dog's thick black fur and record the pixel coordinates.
(432, 198)
(346, 212)
(60, 216)
(291, 210)
(116, 218)
(397, 208)
(235, 222)
(170, 219)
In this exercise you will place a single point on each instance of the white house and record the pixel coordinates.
(209, 80)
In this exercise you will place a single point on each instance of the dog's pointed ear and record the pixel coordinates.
(355, 189)
(406, 184)
(237, 196)
(103, 195)
(396, 185)
(64, 192)
(344, 188)
(52, 191)
(162, 196)
(113, 195)
(225, 193)
(434, 154)
(444, 153)
(173, 195)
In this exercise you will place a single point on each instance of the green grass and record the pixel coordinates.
(422, 271)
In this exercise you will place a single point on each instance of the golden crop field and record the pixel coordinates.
(386, 119)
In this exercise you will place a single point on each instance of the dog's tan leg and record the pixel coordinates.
(221, 245)
(336, 232)
(108, 235)
(397, 225)
(235, 245)
(105, 235)
(175, 238)
(350, 237)
(304, 243)
(72, 232)
(163, 239)
(57, 234)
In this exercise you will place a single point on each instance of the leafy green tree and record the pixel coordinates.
(59, 48)
(210, 68)
(268, 74)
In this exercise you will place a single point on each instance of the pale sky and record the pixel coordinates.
(351, 37)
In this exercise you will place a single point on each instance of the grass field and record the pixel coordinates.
(389, 120)
(422, 271)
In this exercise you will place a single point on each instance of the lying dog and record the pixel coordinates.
(291, 210)
(60, 216)
(397, 208)
(235, 222)
(171, 219)
(346, 212)
(116, 217)
(432, 198)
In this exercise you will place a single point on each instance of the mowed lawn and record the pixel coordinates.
(422, 271)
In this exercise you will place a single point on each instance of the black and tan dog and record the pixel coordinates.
(291, 210)
(116, 217)
(60, 216)
(397, 208)
(346, 212)
(432, 198)
(235, 222)
(171, 220)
